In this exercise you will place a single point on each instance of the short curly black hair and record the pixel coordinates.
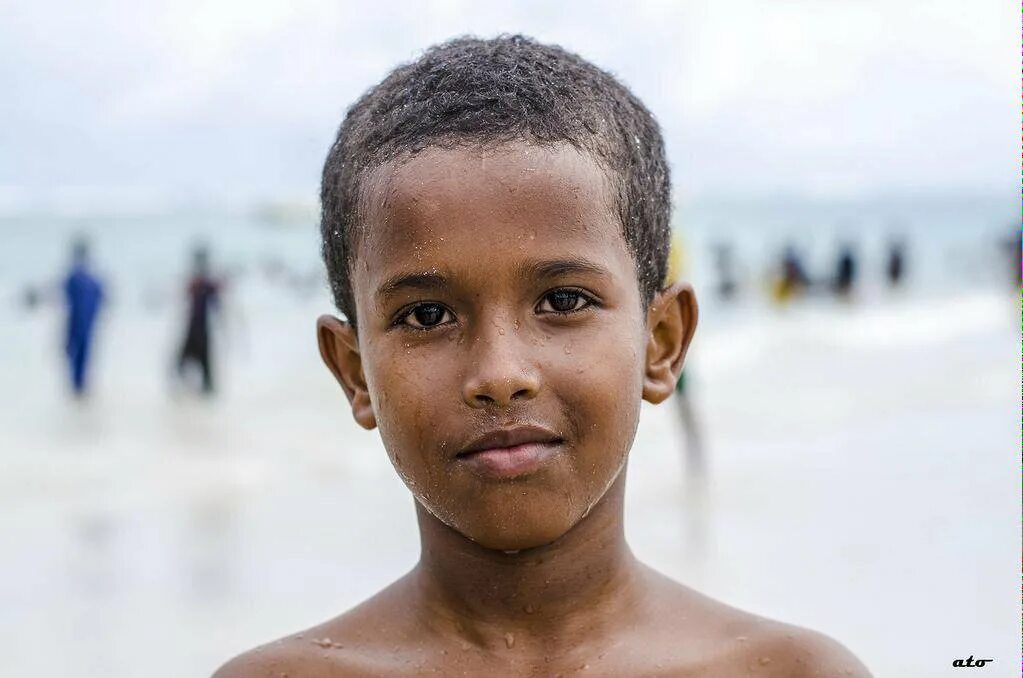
(471, 91)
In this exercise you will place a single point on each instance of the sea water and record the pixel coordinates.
(861, 457)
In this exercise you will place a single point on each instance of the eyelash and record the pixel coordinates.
(402, 318)
(588, 300)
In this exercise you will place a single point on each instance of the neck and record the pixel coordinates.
(574, 585)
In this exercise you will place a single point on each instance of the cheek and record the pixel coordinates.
(601, 383)
(404, 394)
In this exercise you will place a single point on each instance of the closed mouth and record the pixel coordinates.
(511, 438)
(511, 453)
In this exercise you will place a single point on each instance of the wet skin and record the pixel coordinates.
(503, 350)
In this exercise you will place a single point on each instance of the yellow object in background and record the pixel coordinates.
(676, 262)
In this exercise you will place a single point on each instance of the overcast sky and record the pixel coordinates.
(241, 98)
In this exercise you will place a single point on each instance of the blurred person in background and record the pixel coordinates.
(792, 280)
(724, 265)
(30, 298)
(83, 295)
(687, 416)
(204, 300)
(845, 272)
(895, 268)
(1013, 246)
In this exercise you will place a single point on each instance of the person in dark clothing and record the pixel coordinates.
(792, 279)
(204, 300)
(724, 266)
(845, 272)
(1013, 247)
(896, 267)
(83, 295)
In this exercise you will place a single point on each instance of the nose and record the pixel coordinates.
(499, 373)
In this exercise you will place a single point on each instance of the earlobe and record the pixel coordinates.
(671, 322)
(339, 349)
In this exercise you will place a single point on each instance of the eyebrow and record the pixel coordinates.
(428, 280)
(536, 270)
(561, 267)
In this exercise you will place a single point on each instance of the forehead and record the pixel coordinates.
(513, 182)
(448, 205)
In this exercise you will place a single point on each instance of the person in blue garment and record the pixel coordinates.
(83, 294)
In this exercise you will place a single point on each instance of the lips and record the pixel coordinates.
(510, 453)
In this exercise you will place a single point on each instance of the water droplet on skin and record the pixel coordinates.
(509, 640)
(327, 643)
(529, 609)
(500, 330)
(568, 350)
(764, 661)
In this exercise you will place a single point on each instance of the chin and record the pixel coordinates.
(517, 532)
(517, 540)
(511, 517)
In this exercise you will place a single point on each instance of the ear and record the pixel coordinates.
(671, 322)
(339, 348)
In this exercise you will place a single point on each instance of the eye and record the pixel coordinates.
(426, 316)
(565, 300)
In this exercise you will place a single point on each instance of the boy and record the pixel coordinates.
(495, 224)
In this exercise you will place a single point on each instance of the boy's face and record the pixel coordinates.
(502, 346)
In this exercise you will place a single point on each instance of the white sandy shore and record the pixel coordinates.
(863, 480)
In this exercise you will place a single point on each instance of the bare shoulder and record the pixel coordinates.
(777, 649)
(729, 641)
(299, 655)
(348, 645)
